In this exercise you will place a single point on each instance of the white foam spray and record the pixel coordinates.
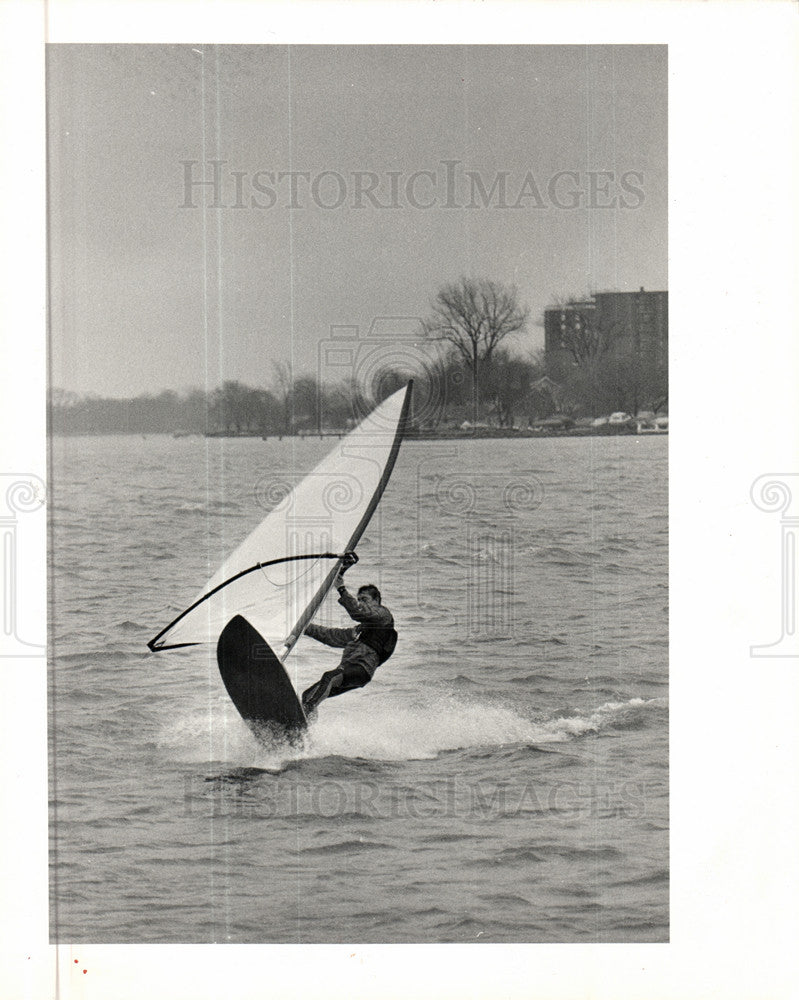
(385, 728)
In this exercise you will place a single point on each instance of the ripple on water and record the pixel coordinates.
(486, 787)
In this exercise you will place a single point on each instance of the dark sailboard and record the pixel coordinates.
(257, 682)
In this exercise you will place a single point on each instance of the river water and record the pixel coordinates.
(503, 779)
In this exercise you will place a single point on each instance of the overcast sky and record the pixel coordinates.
(402, 168)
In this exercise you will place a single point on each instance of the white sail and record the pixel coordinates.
(325, 513)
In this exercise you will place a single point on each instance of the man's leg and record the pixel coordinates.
(327, 683)
(345, 677)
(355, 676)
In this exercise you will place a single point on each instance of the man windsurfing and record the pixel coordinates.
(366, 645)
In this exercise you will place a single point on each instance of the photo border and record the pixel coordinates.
(733, 309)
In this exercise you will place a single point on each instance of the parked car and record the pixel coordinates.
(620, 418)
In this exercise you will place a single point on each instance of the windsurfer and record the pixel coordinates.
(366, 645)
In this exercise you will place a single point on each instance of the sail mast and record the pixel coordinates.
(309, 612)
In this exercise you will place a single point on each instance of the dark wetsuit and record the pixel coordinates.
(365, 646)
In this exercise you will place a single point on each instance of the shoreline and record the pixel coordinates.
(482, 433)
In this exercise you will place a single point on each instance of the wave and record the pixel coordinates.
(656, 877)
(611, 715)
(372, 732)
(127, 627)
(344, 847)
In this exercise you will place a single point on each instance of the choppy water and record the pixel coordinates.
(503, 779)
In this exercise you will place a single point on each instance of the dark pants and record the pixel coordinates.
(346, 677)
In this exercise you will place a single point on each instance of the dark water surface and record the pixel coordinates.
(503, 779)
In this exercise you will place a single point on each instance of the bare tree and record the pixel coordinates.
(584, 335)
(229, 406)
(507, 382)
(283, 381)
(307, 402)
(475, 316)
(337, 404)
(264, 410)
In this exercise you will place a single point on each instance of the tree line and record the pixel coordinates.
(469, 375)
(443, 396)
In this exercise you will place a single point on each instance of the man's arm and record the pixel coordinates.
(336, 637)
(376, 614)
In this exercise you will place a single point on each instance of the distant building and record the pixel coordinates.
(625, 325)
